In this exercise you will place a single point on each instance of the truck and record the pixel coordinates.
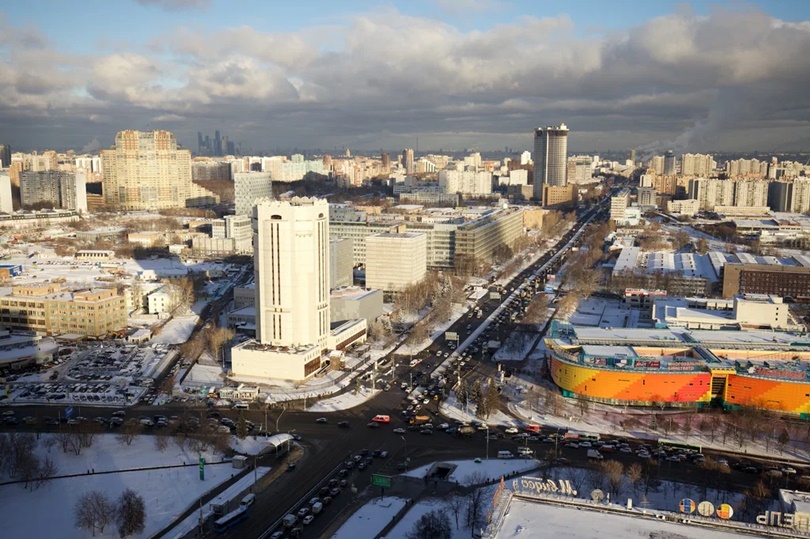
(289, 521)
(416, 420)
(316, 507)
(594, 454)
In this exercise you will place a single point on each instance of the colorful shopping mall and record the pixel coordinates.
(681, 367)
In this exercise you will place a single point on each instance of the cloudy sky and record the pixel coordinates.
(367, 75)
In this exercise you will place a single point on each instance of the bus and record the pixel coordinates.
(672, 444)
(581, 436)
(231, 519)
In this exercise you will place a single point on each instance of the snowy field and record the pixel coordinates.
(166, 492)
(528, 520)
(343, 402)
(452, 409)
(177, 330)
(370, 519)
(487, 470)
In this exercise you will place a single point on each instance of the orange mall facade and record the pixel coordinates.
(681, 371)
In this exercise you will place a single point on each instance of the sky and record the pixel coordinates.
(441, 74)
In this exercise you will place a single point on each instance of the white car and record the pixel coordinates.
(399, 430)
(511, 430)
(308, 519)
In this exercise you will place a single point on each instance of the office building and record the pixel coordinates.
(291, 265)
(619, 204)
(341, 265)
(771, 279)
(353, 302)
(147, 171)
(550, 157)
(47, 309)
(561, 197)
(250, 187)
(6, 202)
(395, 261)
(646, 197)
(669, 163)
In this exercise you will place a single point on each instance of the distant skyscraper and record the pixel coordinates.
(669, 163)
(146, 170)
(550, 157)
(5, 155)
(633, 155)
(407, 160)
(386, 162)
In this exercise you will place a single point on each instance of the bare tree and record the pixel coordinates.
(128, 431)
(130, 513)
(432, 525)
(456, 504)
(634, 474)
(614, 471)
(216, 338)
(161, 443)
(93, 511)
(475, 505)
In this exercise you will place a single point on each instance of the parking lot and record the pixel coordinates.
(92, 373)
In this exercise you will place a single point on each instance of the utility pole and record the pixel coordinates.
(487, 442)
(283, 409)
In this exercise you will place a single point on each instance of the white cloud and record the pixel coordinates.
(386, 74)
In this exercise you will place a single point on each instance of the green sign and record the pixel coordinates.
(380, 481)
(202, 468)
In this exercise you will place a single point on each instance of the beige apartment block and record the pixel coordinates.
(394, 261)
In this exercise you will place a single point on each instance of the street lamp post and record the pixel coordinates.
(487, 442)
(283, 409)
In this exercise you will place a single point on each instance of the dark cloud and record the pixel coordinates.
(682, 81)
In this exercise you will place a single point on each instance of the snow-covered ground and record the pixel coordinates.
(370, 519)
(528, 519)
(451, 408)
(204, 375)
(471, 472)
(345, 401)
(177, 330)
(166, 492)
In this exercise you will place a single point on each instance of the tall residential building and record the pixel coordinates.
(386, 161)
(467, 182)
(669, 163)
(55, 188)
(619, 204)
(550, 157)
(291, 266)
(250, 187)
(407, 160)
(146, 171)
(696, 164)
(341, 265)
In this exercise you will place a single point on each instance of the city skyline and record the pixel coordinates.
(478, 74)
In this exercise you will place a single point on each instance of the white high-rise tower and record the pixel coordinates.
(291, 265)
(291, 261)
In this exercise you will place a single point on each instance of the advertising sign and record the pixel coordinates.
(784, 520)
(705, 509)
(687, 506)
(725, 511)
(532, 486)
(451, 336)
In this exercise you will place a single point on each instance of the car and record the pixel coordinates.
(399, 430)
(313, 501)
(343, 424)
(321, 420)
(277, 535)
(362, 466)
(327, 500)
(323, 491)
(401, 467)
(511, 430)
(343, 483)
(383, 454)
(343, 472)
(304, 511)
(332, 483)
(8, 413)
(334, 492)
(426, 431)
(375, 453)
(290, 466)
(373, 425)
